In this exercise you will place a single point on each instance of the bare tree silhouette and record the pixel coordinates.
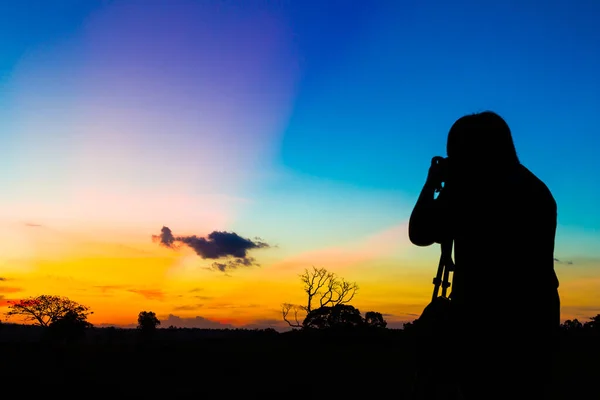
(321, 287)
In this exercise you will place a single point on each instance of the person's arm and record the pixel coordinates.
(428, 220)
(422, 223)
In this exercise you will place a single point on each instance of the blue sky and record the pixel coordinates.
(381, 106)
(308, 123)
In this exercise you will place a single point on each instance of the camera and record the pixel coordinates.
(441, 162)
(439, 171)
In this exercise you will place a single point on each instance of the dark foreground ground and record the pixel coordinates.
(251, 364)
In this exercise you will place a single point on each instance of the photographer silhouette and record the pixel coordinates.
(502, 220)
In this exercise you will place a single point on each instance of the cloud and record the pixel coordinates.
(276, 324)
(193, 322)
(165, 238)
(396, 324)
(5, 302)
(229, 247)
(2, 279)
(385, 243)
(198, 296)
(233, 264)
(150, 294)
(556, 260)
(106, 288)
(190, 307)
(10, 290)
(220, 306)
(583, 313)
(32, 225)
(199, 322)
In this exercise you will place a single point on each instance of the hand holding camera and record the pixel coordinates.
(438, 173)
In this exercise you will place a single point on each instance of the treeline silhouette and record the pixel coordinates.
(341, 320)
(336, 352)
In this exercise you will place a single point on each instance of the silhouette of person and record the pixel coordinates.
(504, 294)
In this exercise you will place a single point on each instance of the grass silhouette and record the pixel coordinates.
(263, 364)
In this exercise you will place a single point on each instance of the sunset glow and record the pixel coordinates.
(308, 132)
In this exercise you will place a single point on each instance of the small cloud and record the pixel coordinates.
(229, 306)
(396, 324)
(356, 252)
(10, 289)
(276, 324)
(32, 225)
(556, 260)
(190, 307)
(196, 290)
(165, 238)
(2, 279)
(5, 302)
(234, 264)
(194, 322)
(150, 294)
(106, 288)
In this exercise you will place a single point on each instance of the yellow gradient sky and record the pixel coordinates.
(120, 278)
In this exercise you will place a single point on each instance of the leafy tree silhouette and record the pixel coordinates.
(594, 323)
(575, 327)
(572, 325)
(409, 326)
(375, 320)
(147, 322)
(322, 287)
(340, 316)
(45, 309)
(71, 327)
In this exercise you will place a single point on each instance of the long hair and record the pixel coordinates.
(482, 137)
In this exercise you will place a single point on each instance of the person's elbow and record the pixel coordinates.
(420, 234)
(420, 240)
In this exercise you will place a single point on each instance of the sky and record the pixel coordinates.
(303, 130)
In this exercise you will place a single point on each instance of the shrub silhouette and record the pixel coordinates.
(147, 321)
(340, 316)
(375, 320)
(71, 327)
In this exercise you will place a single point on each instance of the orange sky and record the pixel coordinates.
(118, 279)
